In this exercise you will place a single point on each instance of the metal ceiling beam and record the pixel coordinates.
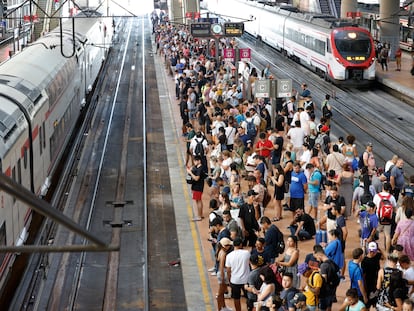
(45, 209)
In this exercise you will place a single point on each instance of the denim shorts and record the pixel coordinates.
(313, 199)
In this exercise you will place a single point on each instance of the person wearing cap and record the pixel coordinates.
(369, 159)
(299, 301)
(368, 220)
(298, 188)
(370, 265)
(248, 222)
(352, 302)
(312, 286)
(238, 270)
(323, 139)
(224, 247)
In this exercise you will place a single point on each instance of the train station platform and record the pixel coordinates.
(196, 255)
(400, 83)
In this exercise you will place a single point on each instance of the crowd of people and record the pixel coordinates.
(245, 162)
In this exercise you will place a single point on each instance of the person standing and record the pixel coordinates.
(197, 187)
(404, 234)
(314, 186)
(298, 188)
(273, 237)
(224, 247)
(383, 56)
(326, 109)
(398, 54)
(356, 275)
(247, 216)
(238, 270)
(385, 194)
(397, 180)
(370, 265)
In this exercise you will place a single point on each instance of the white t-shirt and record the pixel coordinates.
(296, 134)
(238, 261)
(409, 276)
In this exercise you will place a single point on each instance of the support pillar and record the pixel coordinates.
(175, 12)
(348, 6)
(390, 24)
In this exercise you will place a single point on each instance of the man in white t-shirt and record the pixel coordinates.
(238, 270)
(296, 135)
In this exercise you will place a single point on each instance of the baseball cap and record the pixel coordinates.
(372, 247)
(251, 192)
(369, 144)
(302, 268)
(225, 242)
(297, 298)
(324, 128)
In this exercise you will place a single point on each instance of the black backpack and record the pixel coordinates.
(280, 242)
(199, 148)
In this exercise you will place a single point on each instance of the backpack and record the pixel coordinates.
(280, 242)
(319, 140)
(361, 161)
(199, 148)
(334, 279)
(263, 124)
(385, 210)
(325, 111)
(251, 128)
(387, 174)
(278, 277)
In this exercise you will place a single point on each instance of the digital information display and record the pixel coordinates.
(200, 29)
(355, 58)
(233, 29)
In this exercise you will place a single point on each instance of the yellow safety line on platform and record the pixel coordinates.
(194, 232)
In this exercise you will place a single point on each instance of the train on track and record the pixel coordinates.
(338, 51)
(43, 90)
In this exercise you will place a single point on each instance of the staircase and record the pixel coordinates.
(325, 8)
(338, 7)
(46, 24)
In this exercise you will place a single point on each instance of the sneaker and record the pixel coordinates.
(213, 273)
(227, 296)
(212, 269)
(197, 219)
(226, 309)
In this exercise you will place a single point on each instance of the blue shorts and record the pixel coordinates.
(313, 199)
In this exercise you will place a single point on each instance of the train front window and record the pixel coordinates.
(354, 46)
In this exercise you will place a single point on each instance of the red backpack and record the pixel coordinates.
(385, 209)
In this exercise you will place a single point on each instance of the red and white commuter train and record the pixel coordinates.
(337, 51)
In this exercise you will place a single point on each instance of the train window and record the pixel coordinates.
(44, 134)
(3, 240)
(14, 178)
(25, 157)
(19, 171)
(40, 140)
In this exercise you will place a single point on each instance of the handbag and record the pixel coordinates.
(189, 179)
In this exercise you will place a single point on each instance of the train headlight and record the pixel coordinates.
(352, 35)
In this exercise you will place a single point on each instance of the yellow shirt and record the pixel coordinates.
(314, 281)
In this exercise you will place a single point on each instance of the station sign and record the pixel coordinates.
(284, 88)
(245, 55)
(229, 55)
(233, 29)
(200, 29)
(262, 88)
(211, 20)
